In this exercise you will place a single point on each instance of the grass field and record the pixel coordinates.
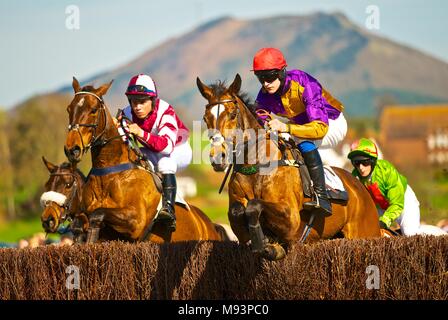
(13, 231)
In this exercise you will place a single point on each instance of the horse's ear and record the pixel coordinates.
(101, 91)
(236, 85)
(51, 167)
(75, 85)
(203, 89)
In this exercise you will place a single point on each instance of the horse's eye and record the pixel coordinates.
(93, 111)
(68, 185)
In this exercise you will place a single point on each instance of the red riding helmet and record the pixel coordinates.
(142, 84)
(268, 59)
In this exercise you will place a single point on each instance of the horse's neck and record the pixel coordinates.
(262, 148)
(112, 153)
(263, 151)
(248, 119)
(77, 199)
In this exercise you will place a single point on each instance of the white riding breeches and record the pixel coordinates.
(337, 130)
(409, 220)
(179, 159)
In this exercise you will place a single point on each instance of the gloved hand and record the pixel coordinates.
(383, 225)
(277, 125)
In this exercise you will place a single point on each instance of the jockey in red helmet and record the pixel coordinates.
(163, 135)
(315, 118)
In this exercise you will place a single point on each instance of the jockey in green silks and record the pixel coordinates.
(394, 198)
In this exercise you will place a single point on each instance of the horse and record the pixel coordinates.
(266, 209)
(62, 198)
(120, 193)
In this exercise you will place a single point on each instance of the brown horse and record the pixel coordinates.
(119, 192)
(265, 208)
(62, 199)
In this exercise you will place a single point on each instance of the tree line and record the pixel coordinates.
(33, 129)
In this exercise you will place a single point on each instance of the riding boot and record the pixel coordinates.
(315, 168)
(167, 214)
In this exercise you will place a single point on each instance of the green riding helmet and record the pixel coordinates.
(363, 148)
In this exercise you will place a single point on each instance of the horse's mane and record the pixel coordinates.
(68, 166)
(219, 87)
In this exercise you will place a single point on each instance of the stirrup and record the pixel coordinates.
(315, 206)
(168, 218)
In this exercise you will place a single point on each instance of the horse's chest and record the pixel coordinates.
(244, 186)
(100, 193)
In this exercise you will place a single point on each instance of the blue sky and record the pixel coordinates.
(39, 53)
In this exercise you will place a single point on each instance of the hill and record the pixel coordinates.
(355, 65)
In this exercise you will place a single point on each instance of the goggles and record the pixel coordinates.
(267, 76)
(364, 162)
(139, 89)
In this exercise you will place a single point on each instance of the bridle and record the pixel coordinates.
(74, 189)
(217, 138)
(67, 205)
(95, 138)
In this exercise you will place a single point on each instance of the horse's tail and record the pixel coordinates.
(226, 232)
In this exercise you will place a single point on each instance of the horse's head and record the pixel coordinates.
(62, 192)
(225, 117)
(87, 119)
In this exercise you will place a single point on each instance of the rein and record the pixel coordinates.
(240, 168)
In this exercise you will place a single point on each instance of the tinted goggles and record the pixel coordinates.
(139, 89)
(364, 162)
(267, 76)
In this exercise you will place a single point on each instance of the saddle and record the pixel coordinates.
(335, 189)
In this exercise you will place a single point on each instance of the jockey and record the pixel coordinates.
(390, 191)
(315, 118)
(163, 135)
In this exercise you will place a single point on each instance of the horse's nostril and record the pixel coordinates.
(49, 223)
(73, 154)
(76, 151)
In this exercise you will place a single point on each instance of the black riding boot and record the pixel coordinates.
(167, 214)
(315, 168)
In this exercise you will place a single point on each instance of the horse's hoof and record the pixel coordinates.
(274, 252)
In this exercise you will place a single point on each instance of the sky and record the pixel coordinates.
(46, 42)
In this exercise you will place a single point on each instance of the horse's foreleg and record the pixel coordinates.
(257, 237)
(95, 221)
(79, 227)
(238, 222)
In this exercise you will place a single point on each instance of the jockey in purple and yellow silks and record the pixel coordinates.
(315, 117)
